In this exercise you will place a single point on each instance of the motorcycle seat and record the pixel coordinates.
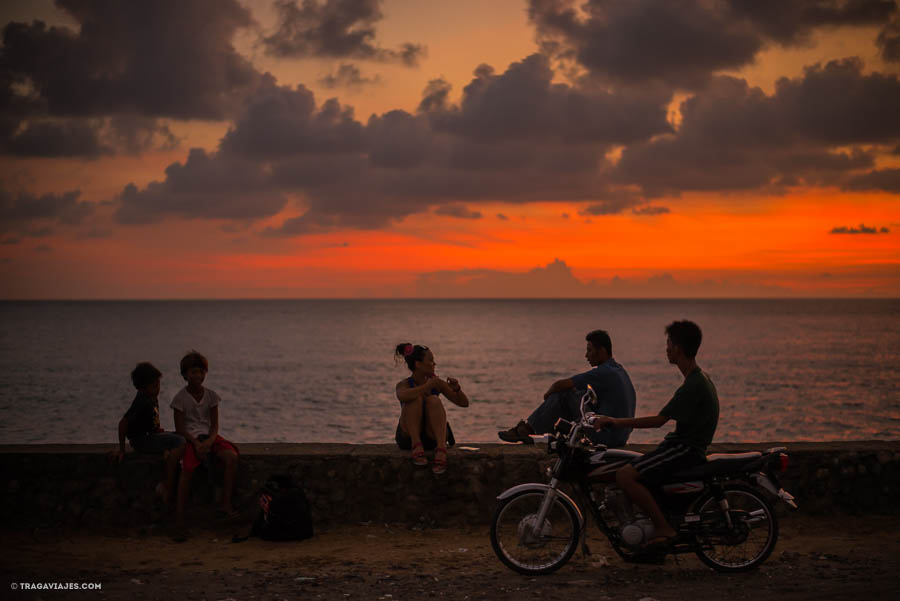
(719, 463)
(727, 456)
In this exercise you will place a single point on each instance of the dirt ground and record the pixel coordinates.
(828, 558)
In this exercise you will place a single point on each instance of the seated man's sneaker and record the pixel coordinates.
(521, 432)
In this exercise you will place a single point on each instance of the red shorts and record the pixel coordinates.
(190, 461)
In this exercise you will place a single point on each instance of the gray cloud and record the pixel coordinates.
(351, 175)
(524, 104)
(100, 88)
(87, 138)
(281, 122)
(734, 137)
(862, 229)
(885, 180)
(650, 210)
(334, 28)
(24, 211)
(557, 280)
(517, 136)
(889, 40)
(204, 187)
(682, 44)
(350, 77)
(458, 211)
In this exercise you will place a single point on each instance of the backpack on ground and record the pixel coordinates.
(284, 511)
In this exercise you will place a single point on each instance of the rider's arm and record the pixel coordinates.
(559, 386)
(650, 421)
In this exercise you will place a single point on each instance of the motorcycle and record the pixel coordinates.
(721, 509)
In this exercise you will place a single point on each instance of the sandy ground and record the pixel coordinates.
(829, 558)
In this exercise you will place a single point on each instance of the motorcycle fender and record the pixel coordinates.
(765, 483)
(543, 488)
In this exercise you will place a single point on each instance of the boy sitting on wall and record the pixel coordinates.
(141, 425)
(197, 419)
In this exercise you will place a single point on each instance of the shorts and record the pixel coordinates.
(666, 459)
(190, 461)
(157, 442)
(428, 443)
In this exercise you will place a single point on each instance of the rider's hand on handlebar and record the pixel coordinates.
(601, 421)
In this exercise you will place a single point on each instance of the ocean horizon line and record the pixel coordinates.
(450, 298)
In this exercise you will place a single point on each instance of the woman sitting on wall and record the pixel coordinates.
(423, 419)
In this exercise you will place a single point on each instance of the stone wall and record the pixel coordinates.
(80, 486)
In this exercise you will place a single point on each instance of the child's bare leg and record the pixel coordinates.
(229, 459)
(184, 491)
(172, 459)
(411, 419)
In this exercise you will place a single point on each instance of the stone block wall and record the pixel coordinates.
(80, 486)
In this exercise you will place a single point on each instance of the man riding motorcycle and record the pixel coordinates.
(695, 409)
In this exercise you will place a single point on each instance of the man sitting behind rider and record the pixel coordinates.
(695, 409)
(615, 396)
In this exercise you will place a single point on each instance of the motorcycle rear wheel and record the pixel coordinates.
(749, 541)
(529, 550)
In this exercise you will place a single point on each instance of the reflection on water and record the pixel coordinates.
(316, 371)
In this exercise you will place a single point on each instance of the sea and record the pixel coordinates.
(324, 370)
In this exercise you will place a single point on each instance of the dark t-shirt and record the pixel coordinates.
(142, 416)
(695, 409)
(615, 395)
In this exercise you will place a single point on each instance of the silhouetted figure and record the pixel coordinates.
(695, 409)
(141, 425)
(423, 419)
(615, 396)
(197, 419)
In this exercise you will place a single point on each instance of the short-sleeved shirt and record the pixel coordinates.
(196, 413)
(615, 394)
(142, 416)
(695, 409)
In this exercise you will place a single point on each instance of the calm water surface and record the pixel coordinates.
(323, 371)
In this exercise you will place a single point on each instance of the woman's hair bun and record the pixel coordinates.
(403, 349)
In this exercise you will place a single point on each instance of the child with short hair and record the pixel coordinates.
(197, 419)
(141, 425)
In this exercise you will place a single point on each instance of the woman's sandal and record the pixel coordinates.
(440, 463)
(418, 455)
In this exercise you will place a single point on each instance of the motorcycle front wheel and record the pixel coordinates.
(529, 548)
(750, 538)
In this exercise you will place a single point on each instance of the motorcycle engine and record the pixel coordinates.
(634, 527)
(637, 532)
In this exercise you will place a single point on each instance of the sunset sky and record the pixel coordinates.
(425, 148)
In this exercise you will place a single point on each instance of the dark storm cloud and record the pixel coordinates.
(683, 43)
(734, 137)
(862, 229)
(336, 29)
(348, 76)
(204, 187)
(877, 180)
(889, 41)
(127, 63)
(518, 137)
(650, 210)
(87, 138)
(458, 211)
(281, 122)
(523, 103)
(347, 174)
(21, 211)
(57, 138)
